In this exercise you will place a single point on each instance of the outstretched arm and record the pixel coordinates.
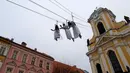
(61, 27)
(52, 30)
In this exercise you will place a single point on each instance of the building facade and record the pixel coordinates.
(4, 48)
(109, 48)
(21, 59)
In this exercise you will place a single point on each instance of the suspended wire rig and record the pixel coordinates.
(40, 13)
(59, 7)
(54, 12)
(33, 11)
(72, 24)
(70, 12)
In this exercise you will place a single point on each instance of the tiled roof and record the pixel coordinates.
(59, 67)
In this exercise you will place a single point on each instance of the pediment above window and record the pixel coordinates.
(12, 63)
(33, 69)
(23, 66)
(40, 71)
(103, 39)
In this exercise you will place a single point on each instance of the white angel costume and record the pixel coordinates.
(56, 32)
(67, 31)
(76, 30)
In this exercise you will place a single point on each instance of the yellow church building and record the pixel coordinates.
(109, 48)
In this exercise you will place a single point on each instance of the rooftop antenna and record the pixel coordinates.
(72, 16)
(96, 8)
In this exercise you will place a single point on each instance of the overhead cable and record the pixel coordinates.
(52, 11)
(69, 10)
(47, 9)
(37, 12)
(59, 7)
(33, 11)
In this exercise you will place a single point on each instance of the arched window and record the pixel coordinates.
(114, 61)
(99, 69)
(101, 28)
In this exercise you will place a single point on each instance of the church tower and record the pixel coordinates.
(109, 48)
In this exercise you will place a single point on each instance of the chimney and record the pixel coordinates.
(75, 66)
(12, 39)
(23, 44)
(35, 49)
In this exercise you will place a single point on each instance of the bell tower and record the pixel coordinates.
(101, 20)
(109, 48)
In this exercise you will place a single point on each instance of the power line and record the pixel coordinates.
(80, 19)
(32, 10)
(59, 7)
(69, 10)
(52, 11)
(38, 12)
(62, 5)
(47, 9)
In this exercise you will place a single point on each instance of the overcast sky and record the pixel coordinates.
(23, 25)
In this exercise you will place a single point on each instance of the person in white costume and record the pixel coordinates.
(56, 32)
(67, 31)
(76, 31)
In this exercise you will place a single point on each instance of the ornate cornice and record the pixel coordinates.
(114, 37)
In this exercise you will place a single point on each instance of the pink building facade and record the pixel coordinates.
(21, 59)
